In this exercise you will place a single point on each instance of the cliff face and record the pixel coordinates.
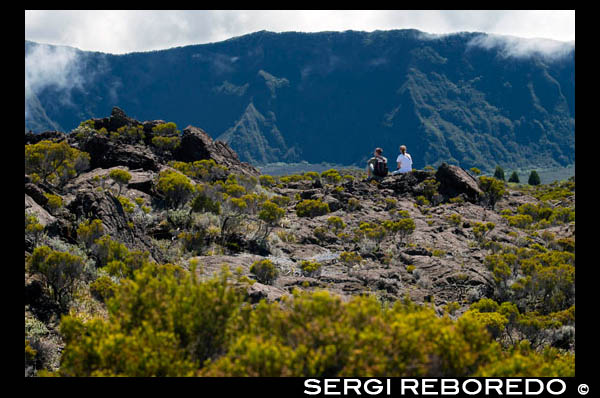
(335, 96)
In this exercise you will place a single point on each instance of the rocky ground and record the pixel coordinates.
(440, 262)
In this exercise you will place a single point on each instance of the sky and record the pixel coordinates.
(121, 31)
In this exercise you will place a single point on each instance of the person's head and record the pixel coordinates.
(402, 149)
(378, 151)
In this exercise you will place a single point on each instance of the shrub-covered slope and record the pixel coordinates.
(155, 252)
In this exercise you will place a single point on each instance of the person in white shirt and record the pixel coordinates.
(404, 161)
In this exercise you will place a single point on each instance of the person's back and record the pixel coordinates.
(377, 165)
(404, 161)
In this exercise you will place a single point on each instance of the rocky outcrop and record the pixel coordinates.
(106, 154)
(196, 144)
(31, 138)
(455, 181)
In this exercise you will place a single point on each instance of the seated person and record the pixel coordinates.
(377, 166)
(404, 162)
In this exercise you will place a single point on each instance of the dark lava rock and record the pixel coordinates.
(455, 181)
(196, 144)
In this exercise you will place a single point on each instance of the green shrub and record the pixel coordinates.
(59, 273)
(331, 176)
(310, 268)
(166, 143)
(350, 259)
(311, 208)
(519, 221)
(89, 231)
(493, 189)
(430, 187)
(264, 271)
(312, 175)
(103, 288)
(205, 169)
(128, 206)
(514, 177)
(353, 204)
(163, 322)
(131, 134)
(55, 162)
(336, 223)
(422, 200)
(321, 336)
(175, 187)
(270, 213)
(166, 129)
(281, 201)
(455, 219)
(120, 177)
(54, 203)
(33, 228)
(480, 230)
(202, 203)
(266, 180)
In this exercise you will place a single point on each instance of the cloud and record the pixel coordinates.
(62, 69)
(125, 31)
(518, 47)
(56, 67)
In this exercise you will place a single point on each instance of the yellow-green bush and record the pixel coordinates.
(163, 322)
(336, 223)
(59, 273)
(54, 203)
(311, 208)
(320, 336)
(88, 231)
(175, 187)
(55, 162)
(103, 288)
(264, 271)
(120, 177)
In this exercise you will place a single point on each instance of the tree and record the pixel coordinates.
(499, 173)
(270, 213)
(534, 178)
(514, 177)
(176, 187)
(55, 161)
(59, 272)
(492, 188)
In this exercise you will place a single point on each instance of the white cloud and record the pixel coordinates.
(518, 47)
(127, 31)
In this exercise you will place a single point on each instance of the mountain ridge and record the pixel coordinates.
(444, 97)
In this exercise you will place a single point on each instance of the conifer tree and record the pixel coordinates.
(514, 177)
(534, 178)
(499, 173)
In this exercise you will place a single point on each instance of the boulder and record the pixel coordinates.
(196, 144)
(455, 181)
(32, 207)
(258, 291)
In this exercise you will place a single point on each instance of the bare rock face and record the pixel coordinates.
(107, 154)
(455, 181)
(196, 144)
